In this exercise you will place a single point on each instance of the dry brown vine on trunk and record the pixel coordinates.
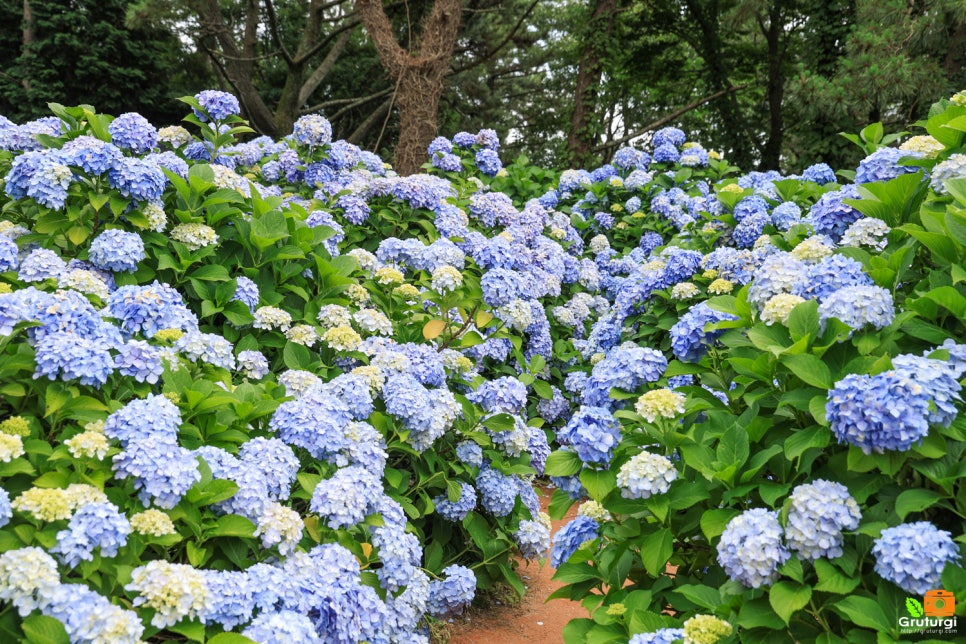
(418, 74)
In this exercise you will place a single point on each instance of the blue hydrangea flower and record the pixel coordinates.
(786, 215)
(452, 594)
(69, 356)
(751, 549)
(778, 273)
(131, 131)
(669, 136)
(117, 250)
(139, 360)
(148, 309)
(206, 347)
(8, 254)
(90, 617)
(570, 537)
(750, 229)
(312, 130)
(666, 153)
(833, 272)
(92, 155)
(448, 162)
(660, 636)
(42, 175)
(456, 510)
(820, 173)
(498, 491)
(818, 513)
(94, 525)
(888, 411)
(6, 512)
(464, 139)
(883, 165)
(217, 105)
(275, 463)
(142, 418)
(283, 627)
(627, 158)
(41, 264)
(939, 379)
(246, 292)
(830, 216)
(506, 394)
(168, 160)
(689, 339)
(347, 497)
(859, 306)
(162, 470)
(231, 595)
(593, 432)
(752, 205)
(913, 556)
(533, 538)
(625, 367)
(137, 179)
(470, 453)
(400, 554)
(315, 424)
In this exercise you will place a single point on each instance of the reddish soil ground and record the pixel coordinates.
(531, 621)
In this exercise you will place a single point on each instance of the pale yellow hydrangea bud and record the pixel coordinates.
(154, 523)
(779, 307)
(15, 426)
(720, 286)
(659, 403)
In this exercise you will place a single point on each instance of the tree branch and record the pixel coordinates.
(273, 27)
(318, 75)
(670, 117)
(493, 52)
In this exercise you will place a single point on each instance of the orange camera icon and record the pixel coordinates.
(939, 603)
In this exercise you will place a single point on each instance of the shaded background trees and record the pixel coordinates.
(566, 82)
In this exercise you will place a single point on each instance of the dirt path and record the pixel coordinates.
(533, 620)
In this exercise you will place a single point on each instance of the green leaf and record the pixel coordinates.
(713, 522)
(803, 320)
(733, 449)
(864, 612)
(803, 439)
(41, 629)
(810, 369)
(230, 638)
(915, 500)
(914, 607)
(656, 549)
(703, 596)
(787, 597)
(193, 630)
(833, 580)
(501, 422)
(599, 483)
(563, 463)
(232, 525)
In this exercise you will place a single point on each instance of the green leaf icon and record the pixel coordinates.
(914, 607)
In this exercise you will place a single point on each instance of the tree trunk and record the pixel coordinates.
(28, 39)
(238, 64)
(583, 130)
(418, 74)
(706, 17)
(771, 153)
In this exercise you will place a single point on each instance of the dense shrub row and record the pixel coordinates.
(271, 390)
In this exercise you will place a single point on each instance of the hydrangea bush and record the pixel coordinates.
(271, 391)
(264, 390)
(791, 466)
